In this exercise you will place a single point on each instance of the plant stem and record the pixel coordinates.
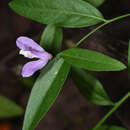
(89, 34)
(100, 26)
(117, 18)
(111, 111)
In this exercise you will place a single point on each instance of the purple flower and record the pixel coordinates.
(31, 49)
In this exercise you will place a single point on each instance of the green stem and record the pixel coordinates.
(89, 34)
(111, 111)
(117, 18)
(100, 26)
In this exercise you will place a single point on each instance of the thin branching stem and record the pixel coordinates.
(100, 26)
(115, 107)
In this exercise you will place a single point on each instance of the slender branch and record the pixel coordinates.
(100, 26)
(117, 18)
(89, 34)
(116, 106)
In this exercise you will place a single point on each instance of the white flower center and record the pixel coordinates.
(27, 54)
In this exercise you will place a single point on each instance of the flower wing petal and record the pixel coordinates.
(31, 67)
(42, 55)
(27, 44)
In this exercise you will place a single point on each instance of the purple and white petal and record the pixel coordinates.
(31, 67)
(28, 54)
(42, 55)
(27, 44)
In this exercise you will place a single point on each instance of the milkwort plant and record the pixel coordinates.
(54, 71)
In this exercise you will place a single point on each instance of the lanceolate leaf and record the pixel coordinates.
(95, 3)
(45, 91)
(110, 127)
(63, 13)
(90, 87)
(9, 109)
(91, 60)
(51, 38)
(129, 58)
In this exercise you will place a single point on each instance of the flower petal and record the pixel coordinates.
(27, 44)
(31, 67)
(28, 54)
(42, 55)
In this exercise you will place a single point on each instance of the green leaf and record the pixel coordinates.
(110, 127)
(51, 39)
(9, 109)
(129, 58)
(91, 60)
(95, 3)
(90, 87)
(63, 13)
(45, 91)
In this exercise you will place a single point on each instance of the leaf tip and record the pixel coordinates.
(122, 66)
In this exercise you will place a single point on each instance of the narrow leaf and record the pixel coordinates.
(95, 3)
(111, 127)
(91, 60)
(45, 91)
(129, 58)
(63, 13)
(90, 87)
(9, 109)
(51, 39)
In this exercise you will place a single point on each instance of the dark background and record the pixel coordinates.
(70, 111)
